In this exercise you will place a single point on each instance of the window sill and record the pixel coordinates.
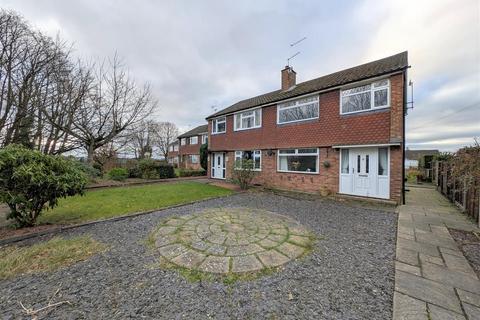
(281, 124)
(365, 111)
(214, 134)
(297, 172)
(253, 128)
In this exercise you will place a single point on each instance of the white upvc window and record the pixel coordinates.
(298, 110)
(183, 141)
(375, 95)
(194, 140)
(194, 158)
(175, 147)
(219, 125)
(170, 148)
(248, 119)
(298, 160)
(204, 138)
(254, 155)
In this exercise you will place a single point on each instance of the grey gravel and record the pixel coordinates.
(349, 275)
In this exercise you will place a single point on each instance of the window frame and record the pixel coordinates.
(372, 91)
(296, 153)
(215, 122)
(240, 114)
(190, 140)
(196, 156)
(183, 141)
(279, 108)
(253, 152)
(204, 138)
(175, 147)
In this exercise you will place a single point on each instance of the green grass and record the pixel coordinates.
(112, 202)
(46, 256)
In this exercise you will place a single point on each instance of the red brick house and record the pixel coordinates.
(343, 132)
(189, 147)
(173, 154)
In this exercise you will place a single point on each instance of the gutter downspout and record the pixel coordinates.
(403, 138)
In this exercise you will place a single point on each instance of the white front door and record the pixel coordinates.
(365, 172)
(218, 165)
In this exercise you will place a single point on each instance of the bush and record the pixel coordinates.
(191, 173)
(243, 174)
(152, 169)
(118, 174)
(148, 169)
(134, 172)
(31, 180)
(90, 171)
(204, 156)
(166, 171)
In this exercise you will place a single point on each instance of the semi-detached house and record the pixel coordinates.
(343, 132)
(186, 150)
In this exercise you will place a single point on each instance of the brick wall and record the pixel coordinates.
(332, 128)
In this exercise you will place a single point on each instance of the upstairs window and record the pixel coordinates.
(298, 110)
(255, 156)
(183, 141)
(219, 125)
(367, 97)
(170, 148)
(204, 139)
(248, 119)
(175, 147)
(194, 140)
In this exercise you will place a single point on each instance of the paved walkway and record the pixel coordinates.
(433, 279)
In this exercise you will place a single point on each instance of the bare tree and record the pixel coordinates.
(165, 133)
(113, 104)
(142, 138)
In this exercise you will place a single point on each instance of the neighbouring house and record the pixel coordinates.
(173, 154)
(421, 160)
(189, 147)
(343, 132)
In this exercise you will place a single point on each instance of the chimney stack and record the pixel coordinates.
(289, 78)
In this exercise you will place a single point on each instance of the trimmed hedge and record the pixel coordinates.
(152, 169)
(191, 173)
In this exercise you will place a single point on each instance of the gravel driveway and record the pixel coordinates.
(349, 275)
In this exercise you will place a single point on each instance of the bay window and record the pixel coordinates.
(219, 125)
(298, 160)
(298, 110)
(371, 96)
(255, 156)
(248, 119)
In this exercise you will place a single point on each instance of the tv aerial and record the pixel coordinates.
(297, 53)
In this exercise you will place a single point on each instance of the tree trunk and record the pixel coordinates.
(90, 152)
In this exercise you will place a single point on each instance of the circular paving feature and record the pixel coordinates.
(231, 240)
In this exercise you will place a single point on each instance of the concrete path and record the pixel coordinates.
(433, 279)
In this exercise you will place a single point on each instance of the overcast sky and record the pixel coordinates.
(206, 55)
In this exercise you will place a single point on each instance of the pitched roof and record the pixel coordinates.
(417, 154)
(195, 131)
(368, 70)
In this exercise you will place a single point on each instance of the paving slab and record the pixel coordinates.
(473, 313)
(450, 277)
(469, 297)
(437, 313)
(427, 290)
(408, 308)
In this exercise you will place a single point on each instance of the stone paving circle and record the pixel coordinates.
(231, 240)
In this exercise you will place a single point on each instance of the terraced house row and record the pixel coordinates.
(185, 151)
(343, 132)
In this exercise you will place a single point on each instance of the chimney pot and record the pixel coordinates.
(289, 78)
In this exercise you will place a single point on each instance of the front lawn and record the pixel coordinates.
(111, 202)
